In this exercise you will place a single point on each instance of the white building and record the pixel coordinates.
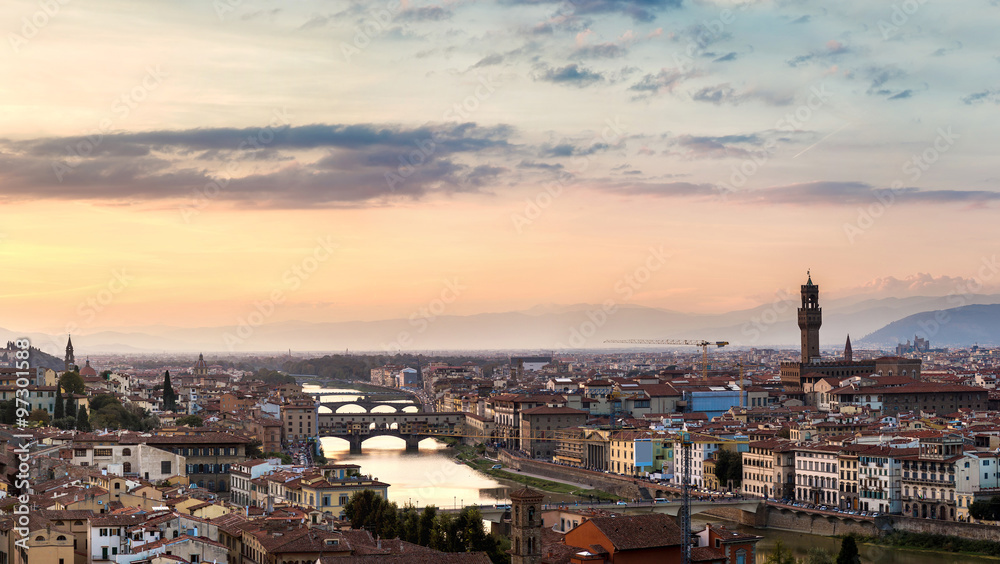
(978, 473)
(816, 474)
(880, 481)
(701, 450)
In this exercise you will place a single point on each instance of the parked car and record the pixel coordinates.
(622, 503)
(496, 466)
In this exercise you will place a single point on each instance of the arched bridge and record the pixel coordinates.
(411, 427)
(368, 401)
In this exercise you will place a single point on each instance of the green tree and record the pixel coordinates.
(82, 421)
(285, 459)
(780, 555)
(729, 468)
(190, 421)
(72, 382)
(39, 415)
(60, 409)
(427, 519)
(817, 555)
(986, 510)
(368, 510)
(253, 449)
(65, 423)
(848, 551)
(8, 412)
(409, 524)
(70, 407)
(169, 396)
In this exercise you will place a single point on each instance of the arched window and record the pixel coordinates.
(60, 538)
(127, 467)
(531, 514)
(127, 452)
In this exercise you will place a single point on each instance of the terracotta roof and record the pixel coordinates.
(634, 532)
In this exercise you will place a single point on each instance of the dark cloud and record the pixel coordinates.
(489, 60)
(424, 13)
(639, 10)
(990, 95)
(257, 166)
(955, 46)
(719, 147)
(731, 56)
(881, 77)
(828, 193)
(831, 52)
(600, 51)
(571, 74)
(718, 94)
(664, 81)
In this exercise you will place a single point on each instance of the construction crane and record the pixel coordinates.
(703, 344)
(686, 496)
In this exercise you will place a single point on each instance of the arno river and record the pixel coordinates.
(431, 477)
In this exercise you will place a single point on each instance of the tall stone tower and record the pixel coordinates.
(848, 351)
(526, 527)
(70, 361)
(810, 320)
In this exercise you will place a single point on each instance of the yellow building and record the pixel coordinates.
(50, 545)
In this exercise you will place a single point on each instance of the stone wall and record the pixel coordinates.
(817, 524)
(971, 531)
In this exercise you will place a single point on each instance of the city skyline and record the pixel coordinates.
(357, 161)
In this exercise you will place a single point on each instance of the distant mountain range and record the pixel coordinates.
(555, 327)
(961, 326)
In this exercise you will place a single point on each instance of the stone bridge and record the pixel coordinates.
(369, 401)
(355, 428)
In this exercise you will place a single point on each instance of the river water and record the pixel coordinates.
(431, 477)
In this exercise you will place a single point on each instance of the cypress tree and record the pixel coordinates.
(169, 396)
(82, 421)
(848, 551)
(71, 407)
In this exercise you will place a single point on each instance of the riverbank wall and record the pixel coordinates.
(766, 516)
(618, 485)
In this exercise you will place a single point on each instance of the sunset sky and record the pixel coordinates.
(177, 161)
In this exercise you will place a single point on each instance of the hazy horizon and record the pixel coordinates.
(192, 164)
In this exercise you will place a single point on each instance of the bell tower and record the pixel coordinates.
(526, 526)
(70, 361)
(810, 320)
